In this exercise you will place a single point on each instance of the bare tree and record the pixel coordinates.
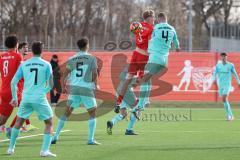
(103, 20)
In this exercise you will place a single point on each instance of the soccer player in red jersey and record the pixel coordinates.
(23, 50)
(9, 63)
(140, 55)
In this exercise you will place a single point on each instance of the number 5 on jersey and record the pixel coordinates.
(79, 69)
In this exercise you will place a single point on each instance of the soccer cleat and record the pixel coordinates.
(230, 118)
(93, 143)
(109, 127)
(30, 128)
(130, 133)
(8, 132)
(10, 151)
(116, 108)
(54, 141)
(47, 154)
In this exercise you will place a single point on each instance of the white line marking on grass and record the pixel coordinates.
(190, 132)
(36, 135)
(187, 109)
(170, 131)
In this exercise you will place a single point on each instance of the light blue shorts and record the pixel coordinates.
(156, 63)
(75, 101)
(223, 91)
(43, 110)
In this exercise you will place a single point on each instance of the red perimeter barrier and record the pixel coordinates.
(196, 70)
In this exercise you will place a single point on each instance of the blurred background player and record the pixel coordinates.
(56, 81)
(139, 56)
(129, 101)
(81, 77)
(162, 37)
(9, 62)
(37, 75)
(223, 75)
(23, 50)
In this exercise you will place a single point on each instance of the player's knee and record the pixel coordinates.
(145, 78)
(224, 99)
(19, 123)
(68, 111)
(49, 124)
(92, 113)
(123, 112)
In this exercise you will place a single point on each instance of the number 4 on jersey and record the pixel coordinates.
(165, 35)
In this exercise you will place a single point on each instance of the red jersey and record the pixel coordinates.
(144, 36)
(9, 63)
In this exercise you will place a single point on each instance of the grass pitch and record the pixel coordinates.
(167, 131)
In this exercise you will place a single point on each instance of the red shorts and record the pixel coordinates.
(5, 108)
(137, 63)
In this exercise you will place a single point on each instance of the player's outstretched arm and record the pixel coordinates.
(18, 75)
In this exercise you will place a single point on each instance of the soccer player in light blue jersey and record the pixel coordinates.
(162, 38)
(80, 77)
(223, 75)
(129, 101)
(37, 75)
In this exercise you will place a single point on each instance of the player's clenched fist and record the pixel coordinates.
(14, 103)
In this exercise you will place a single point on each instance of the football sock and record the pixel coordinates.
(60, 126)
(131, 122)
(117, 118)
(47, 138)
(91, 126)
(144, 94)
(228, 108)
(14, 134)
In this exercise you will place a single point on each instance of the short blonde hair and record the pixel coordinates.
(148, 13)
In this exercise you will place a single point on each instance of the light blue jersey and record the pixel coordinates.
(223, 74)
(36, 73)
(82, 66)
(162, 37)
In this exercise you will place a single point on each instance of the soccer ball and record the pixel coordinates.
(135, 27)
